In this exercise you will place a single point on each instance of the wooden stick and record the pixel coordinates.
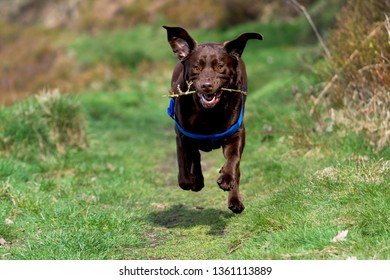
(188, 91)
(234, 90)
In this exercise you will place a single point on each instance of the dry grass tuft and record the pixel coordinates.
(44, 126)
(360, 171)
(64, 117)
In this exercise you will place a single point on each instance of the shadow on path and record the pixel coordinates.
(181, 216)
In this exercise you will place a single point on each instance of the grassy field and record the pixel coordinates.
(116, 197)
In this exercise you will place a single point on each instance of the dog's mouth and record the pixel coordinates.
(209, 100)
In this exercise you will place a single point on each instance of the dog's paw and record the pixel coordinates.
(194, 185)
(198, 187)
(235, 205)
(226, 182)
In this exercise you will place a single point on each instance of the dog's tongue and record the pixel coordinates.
(209, 100)
(209, 97)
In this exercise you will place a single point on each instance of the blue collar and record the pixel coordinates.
(207, 137)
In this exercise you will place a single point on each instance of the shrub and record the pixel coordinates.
(357, 94)
(42, 126)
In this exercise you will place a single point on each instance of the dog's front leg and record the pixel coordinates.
(190, 175)
(229, 179)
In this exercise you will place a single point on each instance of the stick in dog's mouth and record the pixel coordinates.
(209, 96)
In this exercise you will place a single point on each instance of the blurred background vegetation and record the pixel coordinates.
(35, 35)
(75, 45)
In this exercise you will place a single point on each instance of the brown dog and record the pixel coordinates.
(211, 117)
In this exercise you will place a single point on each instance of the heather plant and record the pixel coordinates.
(357, 93)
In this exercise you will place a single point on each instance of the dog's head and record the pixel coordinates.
(211, 66)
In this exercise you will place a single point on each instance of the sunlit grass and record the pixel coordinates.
(119, 199)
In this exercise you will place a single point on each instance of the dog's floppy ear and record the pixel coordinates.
(236, 47)
(181, 42)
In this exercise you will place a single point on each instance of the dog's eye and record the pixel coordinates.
(220, 67)
(196, 68)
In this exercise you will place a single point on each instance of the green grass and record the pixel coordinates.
(130, 48)
(119, 199)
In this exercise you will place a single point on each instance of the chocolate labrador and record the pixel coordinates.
(208, 91)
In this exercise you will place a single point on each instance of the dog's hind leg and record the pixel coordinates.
(190, 175)
(196, 170)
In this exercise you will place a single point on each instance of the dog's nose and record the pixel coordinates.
(207, 87)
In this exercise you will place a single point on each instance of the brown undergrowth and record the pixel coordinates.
(34, 58)
(357, 93)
